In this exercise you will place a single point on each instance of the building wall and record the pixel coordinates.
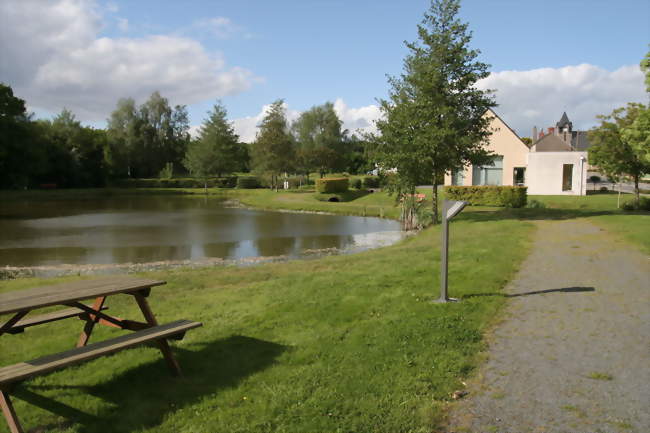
(545, 169)
(506, 143)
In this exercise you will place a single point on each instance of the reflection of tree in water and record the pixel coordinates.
(222, 250)
(325, 241)
(275, 246)
(154, 253)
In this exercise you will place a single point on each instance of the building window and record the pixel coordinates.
(488, 174)
(567, 177)
(457, 177)
(519, 176)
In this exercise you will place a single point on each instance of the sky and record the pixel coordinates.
(578, 56)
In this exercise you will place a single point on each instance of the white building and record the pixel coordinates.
(555, 164)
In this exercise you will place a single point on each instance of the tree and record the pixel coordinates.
(621, 143)
(219, 135)
(201, 160)
(20, 156)
(645, 67)
(320, 140)
(435, 119)
(273, 150)
(124, 128)
(144, 139)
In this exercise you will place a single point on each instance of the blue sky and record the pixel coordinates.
(573, 55)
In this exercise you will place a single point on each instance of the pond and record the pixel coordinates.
(142, 229)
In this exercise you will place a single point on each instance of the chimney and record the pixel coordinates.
(534, 137)
(551, 130)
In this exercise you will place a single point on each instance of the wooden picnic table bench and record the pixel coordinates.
(21, 302)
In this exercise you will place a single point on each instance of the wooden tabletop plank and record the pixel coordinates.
(44, 296)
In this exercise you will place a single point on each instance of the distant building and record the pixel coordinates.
(561, 138)
(555, 163)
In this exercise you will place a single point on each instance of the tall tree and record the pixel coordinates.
(621, 143)
(219, 135)
(320, 139)
(20, 156)
(144, 139)
(273, 151)
(124, 133)
(435, 120)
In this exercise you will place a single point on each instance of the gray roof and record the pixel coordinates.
(564, 120)
(552, 143)
(580, 140)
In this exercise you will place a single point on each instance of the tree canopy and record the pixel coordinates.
(435, 118)
(621, 143)
(273, 151)
(320, 141)
(217, 147)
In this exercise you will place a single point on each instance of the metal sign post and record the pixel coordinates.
(449, 210)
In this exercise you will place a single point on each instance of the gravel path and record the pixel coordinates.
(573, 354)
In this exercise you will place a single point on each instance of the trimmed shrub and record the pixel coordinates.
(221, 182)
(248, 182)
(332, 185)
(371, 182)
(507, 196)
(356, 183)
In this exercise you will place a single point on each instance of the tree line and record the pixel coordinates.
(152, 140)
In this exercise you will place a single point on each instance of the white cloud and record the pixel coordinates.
(222, 27)
(539, 96)
(246, 127)
(355, 120)
(53, 57)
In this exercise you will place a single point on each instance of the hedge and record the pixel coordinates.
(507, 196)
(219, 182)
(248, 182)
(332, 185)
(371, 182)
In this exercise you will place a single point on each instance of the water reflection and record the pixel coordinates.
(145, 229)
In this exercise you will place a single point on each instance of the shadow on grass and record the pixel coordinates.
(534, 292)
(532, 214)
(343, 197)
(142, 397)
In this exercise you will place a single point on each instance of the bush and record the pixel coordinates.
(507, 196)
(332, 185)
(167, 172)
(356, 183)
(632, 205)
(221, 182)
(248, 182)
(535, 204)
(371, 182)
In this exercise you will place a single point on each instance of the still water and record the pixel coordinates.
(155, 228)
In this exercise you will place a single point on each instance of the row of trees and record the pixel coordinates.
(139, 141)
(153, 138)
(315, 142)
(58, 151)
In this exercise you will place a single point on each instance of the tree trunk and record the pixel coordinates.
(435, 199)
(636, 188)
(205, 186)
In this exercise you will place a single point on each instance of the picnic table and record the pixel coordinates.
(18, 304)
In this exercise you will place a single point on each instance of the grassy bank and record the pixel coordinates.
(342, 343)
(347, 343)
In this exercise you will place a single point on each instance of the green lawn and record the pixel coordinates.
(342, 343)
